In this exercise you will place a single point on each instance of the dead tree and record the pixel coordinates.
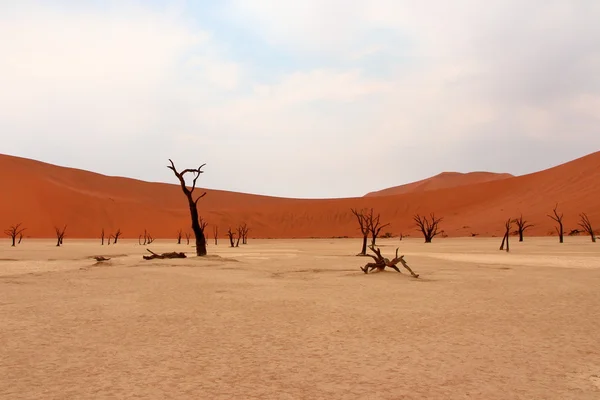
(102, 237)
(147, 238)
(374, 225)
(382, 262)
(172, 254)
(192, 203)
(15, 231)
(187, 238)
(240, 234)
(216, 234)
(231, 235)
(587, 226)
(116, 236)
(559, 221)
(507, 226)
(179, 236)
(244, 233)
(20, 238)
(364, 229)
(522, 226)
(60, 235)
(429, 227)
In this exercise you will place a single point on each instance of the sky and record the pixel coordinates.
(307, 99)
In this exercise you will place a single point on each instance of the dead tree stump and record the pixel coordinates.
(382, 262)
(172, 254)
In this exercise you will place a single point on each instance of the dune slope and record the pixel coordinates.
(42, 196)
(442, 181)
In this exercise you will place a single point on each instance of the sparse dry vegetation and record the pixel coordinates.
(428, 226)
(15, 231)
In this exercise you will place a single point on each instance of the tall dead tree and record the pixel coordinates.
(559, 221)
(14, 231)
(116, 236)
(231, 235)
(522, 226)
(244, 232)
(240, 234)
(428, 226)
(179, 233)
(364, 229)
(216, 234)
(587, 226)
(192, 203)
(102, 237)
(507, 226)
(60, 235)
(148, 239)
(374, 225)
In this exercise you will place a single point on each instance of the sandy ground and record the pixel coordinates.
(297, 319)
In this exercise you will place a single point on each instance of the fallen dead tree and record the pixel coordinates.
(172, 254)
(382, 262)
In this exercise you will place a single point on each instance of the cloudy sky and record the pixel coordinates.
(300, 98)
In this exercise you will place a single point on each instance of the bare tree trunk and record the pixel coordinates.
(363, 250)
(193, 205)
(559, 220)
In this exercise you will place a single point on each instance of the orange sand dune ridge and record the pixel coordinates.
(441, 181)
(42, 196)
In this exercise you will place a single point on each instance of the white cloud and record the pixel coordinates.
(388, 81)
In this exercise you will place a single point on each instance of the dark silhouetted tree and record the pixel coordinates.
(587, 226)
(231, 235)
(428, 226)
(14, 231)
(364, 229)
(192, 203)
(60, 235)
(374, 225)
(507, 226)
(559, 221)
(522, 226)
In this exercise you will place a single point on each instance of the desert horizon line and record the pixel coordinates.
(500, 176)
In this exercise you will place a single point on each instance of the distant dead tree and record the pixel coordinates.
(244, 233)
(148, 239)
(179, 233)
(216, 234)
(231, 235)
(187, 238)
(20, 237)
(429, 227)
(193, 204)
(559, 221)
(240, 234)
(14, 231)
(116, 236)
(587, 226)
(60, 235)
(374, 225)
(522, 226)
(382, 262)
(102, 237)
(364, 229)
(507, 226)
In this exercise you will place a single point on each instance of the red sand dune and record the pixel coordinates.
(42, 196)
(442, 181)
